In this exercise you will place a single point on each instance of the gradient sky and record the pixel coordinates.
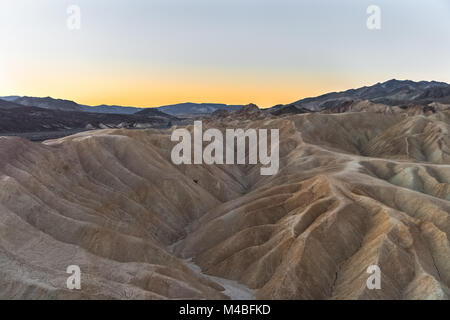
(158, 52)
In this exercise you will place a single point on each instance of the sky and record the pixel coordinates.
(149, 53)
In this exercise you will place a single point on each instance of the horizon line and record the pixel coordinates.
(220, 103)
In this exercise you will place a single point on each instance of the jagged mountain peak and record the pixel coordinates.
(392, 92)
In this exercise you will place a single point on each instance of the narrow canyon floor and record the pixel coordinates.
(354, 189)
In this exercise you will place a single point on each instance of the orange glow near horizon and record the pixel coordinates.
(115, 82)
(155, 89)
(150, 86)
(142, 95)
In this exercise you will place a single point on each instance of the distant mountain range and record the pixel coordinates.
(5, 104)
(48, 103)
(110, 109)
(25, 114)
(154, 112)
(188, 108)
(393, 93)
(10, 98)
(48, 117)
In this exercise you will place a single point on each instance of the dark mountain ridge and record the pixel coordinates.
(48, 103)
(393, 93)
(187, 108)
(197, 108)
(110, 109)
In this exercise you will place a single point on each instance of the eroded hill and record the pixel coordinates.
(354, 189)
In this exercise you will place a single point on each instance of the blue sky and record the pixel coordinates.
(156, 52)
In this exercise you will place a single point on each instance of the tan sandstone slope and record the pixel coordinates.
(354, 189)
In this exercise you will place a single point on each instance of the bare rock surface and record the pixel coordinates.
(354, 189)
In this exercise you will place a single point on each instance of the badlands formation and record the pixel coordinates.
(358, 188)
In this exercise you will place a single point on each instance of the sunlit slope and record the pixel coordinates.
(353, 190)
